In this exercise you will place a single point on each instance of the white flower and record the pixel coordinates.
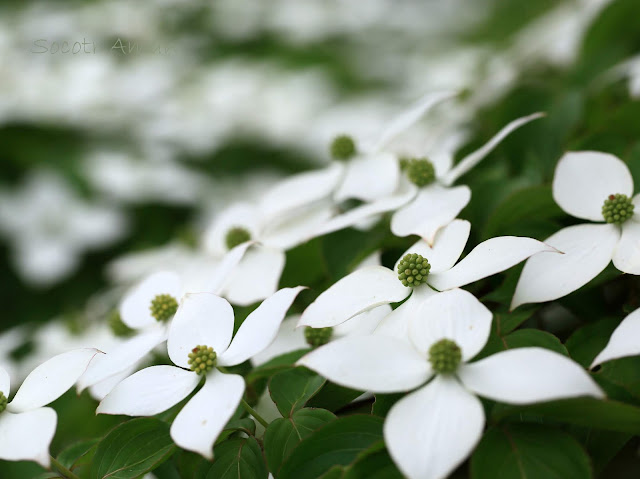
(49, 228)
(437, 203)
(625, 340)
(583, 181)
(26, 426)
(291, 338)
(286, 217)
(373, 286)
(433, 429)
(150, 329)
(207, 322)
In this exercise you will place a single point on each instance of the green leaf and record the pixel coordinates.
(506, 322)
(283, 435)
(337, 444)
(333, 397)
(384, 402)
(587, 342)
(238, 459)
(132, 449)
(521, 338)
(515, 214)
(600, 414)
(244, 425)
(373, 464)
(529, 451)
(291, 389)
(79, 452)
(525, 338)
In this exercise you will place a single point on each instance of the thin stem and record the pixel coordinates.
(253, 412)
(63, 470)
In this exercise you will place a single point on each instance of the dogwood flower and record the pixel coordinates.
(433, 429)
(437, 203)
(26, 426)
(275, 225)
(623, 342)
(368, 171)
(420, 273)
(199, 343)
(291, 338)
(146, 312)
(362, 170)
(593, 186)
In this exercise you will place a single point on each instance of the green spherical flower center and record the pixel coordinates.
(3, 402)
(445, 356)
(118, 327)
(237, 235)
(317, 336)
(342, 147)
(617, 209)
(163, 307)
(202, 359)
(420, 171)
(413, 270)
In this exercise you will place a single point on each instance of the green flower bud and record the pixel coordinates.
(617, 209)
(3, 402)
(342, 147)
(163, 307)
(445, 356)
(420, 171)
(317, 336)
(236, 236)
(413, 270)
(118, 327)
(202, 359)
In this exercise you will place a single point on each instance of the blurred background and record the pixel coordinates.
(125, 126)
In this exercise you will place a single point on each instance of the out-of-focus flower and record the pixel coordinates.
(281, 220)
(592, 186)
(437, 203)
(198, 343)
(49, 227)
(433, 429)
(26, 426)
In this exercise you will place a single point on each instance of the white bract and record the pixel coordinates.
(437, 203)
(374, 286)
(291, 338)
(207, 323)
(432, 430)
(286, 217)
(150, 331)
(583, 181)
(49, 227)
(625, 340)
(26, 426)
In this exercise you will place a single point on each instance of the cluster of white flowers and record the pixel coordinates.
(424, 347)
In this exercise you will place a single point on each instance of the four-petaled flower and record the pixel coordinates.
(434, 428)
(373, 286)
(593, 186)
(206, 322)
(26, 425)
